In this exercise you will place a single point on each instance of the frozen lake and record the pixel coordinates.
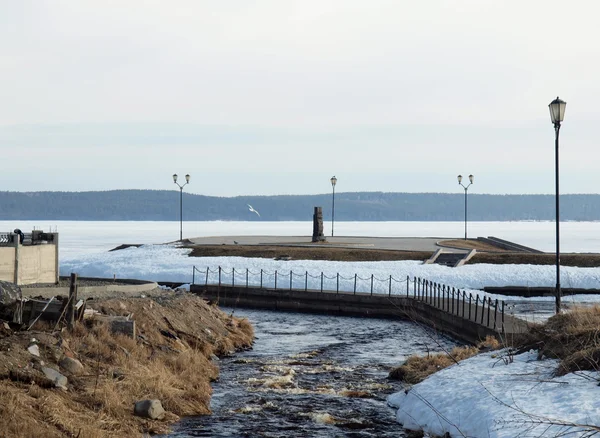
(80, 237)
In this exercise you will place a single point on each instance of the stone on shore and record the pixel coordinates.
(71, 365)
(55, 377)
(149, 409)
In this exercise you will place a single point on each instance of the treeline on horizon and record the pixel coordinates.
(163, 205)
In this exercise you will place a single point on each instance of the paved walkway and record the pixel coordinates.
(393, 243)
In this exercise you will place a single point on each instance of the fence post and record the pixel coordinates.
(194, 275)
(70, 316)
(463, 296)
(246, 278)
(337, 283)
(390, 285)
(415, 287)
(219, 276)
(355, 275)
(321, 282)
(476, 306)
(275, 280)
(371, 284)
(470, 297)
(206, 281)
(444, 296)
(489, 305)
(502, 316)
(261, 281)
(291, 275)
(407, 285)
(482, 309)
(495, 313)
(232, 277)
(452, 301)
(306, 281)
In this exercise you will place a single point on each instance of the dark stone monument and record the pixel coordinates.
(318, 235)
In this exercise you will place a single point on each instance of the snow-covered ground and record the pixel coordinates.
(170, 263)
(489, 396)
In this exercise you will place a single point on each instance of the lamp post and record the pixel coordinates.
(187, 181)
(471, 177)
(557, 115)
(333, 183)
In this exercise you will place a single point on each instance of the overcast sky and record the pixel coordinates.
(275, 97)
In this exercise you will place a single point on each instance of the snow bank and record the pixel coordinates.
(485, 397)
(170, 263)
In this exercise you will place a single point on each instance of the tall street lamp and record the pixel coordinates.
(187, 181)
(557, 115)
(471, 177)
(333, 183)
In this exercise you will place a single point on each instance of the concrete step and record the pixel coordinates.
(452, 259)
(449, 259)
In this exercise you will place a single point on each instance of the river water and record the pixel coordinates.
(311, 376)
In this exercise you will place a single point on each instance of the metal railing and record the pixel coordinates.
(36, 237)
(481, 310)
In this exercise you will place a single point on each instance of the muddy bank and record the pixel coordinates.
(171, 358)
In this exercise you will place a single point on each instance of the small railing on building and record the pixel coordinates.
(481, 310)
(33, 238)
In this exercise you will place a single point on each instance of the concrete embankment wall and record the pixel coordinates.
(122, 286)
(360, 304)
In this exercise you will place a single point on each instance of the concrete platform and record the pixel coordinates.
(390, 243)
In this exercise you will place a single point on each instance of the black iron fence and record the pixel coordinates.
(481, 310)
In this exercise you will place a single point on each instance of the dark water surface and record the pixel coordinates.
(311, 376)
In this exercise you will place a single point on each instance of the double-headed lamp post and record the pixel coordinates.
(471, 177)
(333, 183)
(557, 115)
(187, 181)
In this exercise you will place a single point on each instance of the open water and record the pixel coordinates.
(312, 376)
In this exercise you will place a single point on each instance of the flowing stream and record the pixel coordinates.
(311, 376)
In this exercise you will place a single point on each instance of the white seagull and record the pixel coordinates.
(253, 210)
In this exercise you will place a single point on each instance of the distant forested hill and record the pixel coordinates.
(156, 205)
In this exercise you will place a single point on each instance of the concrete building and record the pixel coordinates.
(27, 258)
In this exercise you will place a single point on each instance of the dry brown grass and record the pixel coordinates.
(323, 252)
(498, 256)
(573, 337)
(581, 260)
(470, 244)
(416, 368)
(120, 370)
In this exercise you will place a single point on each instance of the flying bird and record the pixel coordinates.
(253, 210)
